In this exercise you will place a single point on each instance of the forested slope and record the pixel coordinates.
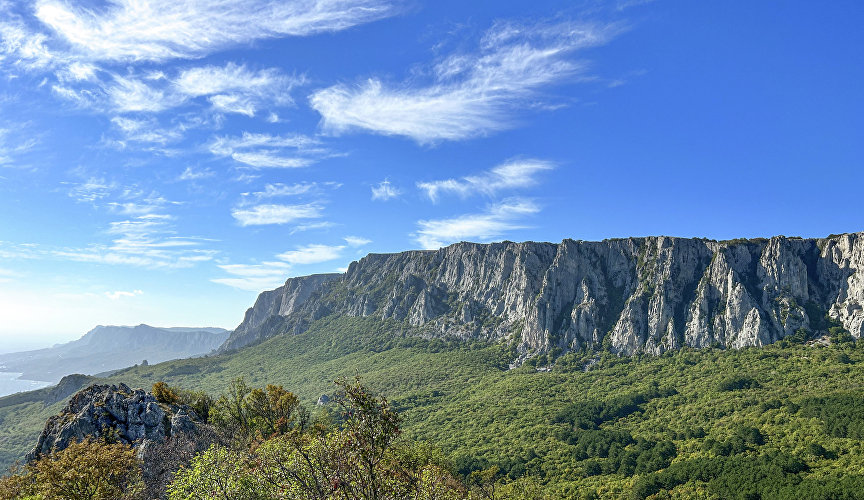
(720, 422)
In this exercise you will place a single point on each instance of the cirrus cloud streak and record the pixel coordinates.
(472, 94)
(275, 214)
(514, 174)
(495, 221)
(160, 30)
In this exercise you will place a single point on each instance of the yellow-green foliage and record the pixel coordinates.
(360, 459)
(249, 414)
(164, 393)
(87, 470)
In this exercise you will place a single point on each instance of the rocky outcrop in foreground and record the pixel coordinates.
(130, 416)
(632, 295)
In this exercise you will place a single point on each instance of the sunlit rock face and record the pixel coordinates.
(634, 295)
(116, 413)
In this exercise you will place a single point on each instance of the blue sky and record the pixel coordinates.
(163, 162)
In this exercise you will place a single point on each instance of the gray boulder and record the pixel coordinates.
(114, 413)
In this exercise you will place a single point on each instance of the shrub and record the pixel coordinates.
(840, 335)
(360, 459)
(165, 393)
(245, 414)
(83, 470)
(737, 383)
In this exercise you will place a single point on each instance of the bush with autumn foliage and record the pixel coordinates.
(85, 470)
(291, 457)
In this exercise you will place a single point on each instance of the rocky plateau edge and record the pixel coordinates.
(633, 295)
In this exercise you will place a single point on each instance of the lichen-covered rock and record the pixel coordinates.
(638, 294)
(114, 412)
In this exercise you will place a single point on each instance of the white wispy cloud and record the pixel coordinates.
(309, 226)
(267, 159)
(312, 254)
(77, 72)
(270, 274)
(145, 131)
(278, 190)
(265, 269)
(250, 211)
(159, 30)
(93, 189)
(194, 174)
(9, 250)
(492, 223)
(12, 145)
(275, 214)
(385, 191)
(356, 241)
(470, 94)
(21, 46)
(269, 151)
(125, 200)
(235, 89)
(225, 146)
(234, 103)
(513, 174)
(254, 284)
(80, 97)
(254, 277)
(147, 241)
(210, 80)
(119, 294)
(231, 88)
(147, 237)
(140, 204)
(131, 95)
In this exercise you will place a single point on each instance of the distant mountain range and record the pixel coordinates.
(107, 348)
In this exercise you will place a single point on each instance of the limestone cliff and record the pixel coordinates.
(633, 295)
(283, 301)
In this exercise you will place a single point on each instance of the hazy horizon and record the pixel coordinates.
(43, 342)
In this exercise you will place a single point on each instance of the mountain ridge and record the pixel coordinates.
(106, 348)
(633, 295)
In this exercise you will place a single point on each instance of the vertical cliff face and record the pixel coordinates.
(258, 324)
(633, 295)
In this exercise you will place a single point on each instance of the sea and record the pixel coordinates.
(10, 384)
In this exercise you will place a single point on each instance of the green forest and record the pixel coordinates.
(780, 421)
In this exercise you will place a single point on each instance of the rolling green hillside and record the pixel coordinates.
(752, 423)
